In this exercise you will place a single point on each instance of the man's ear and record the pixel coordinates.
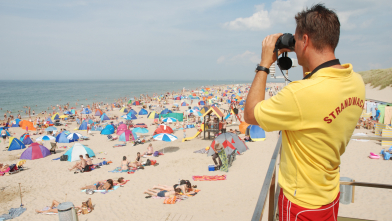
(305, 40)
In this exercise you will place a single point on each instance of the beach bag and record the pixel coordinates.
(64, 158)
(148, 162)
(156, 154)
(170, 200)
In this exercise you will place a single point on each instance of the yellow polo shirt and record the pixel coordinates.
(317, 117)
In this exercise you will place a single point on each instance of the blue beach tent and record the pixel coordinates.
(27, 140)
(132, 111)
(109, 129)
(62, 138)
(104, 117)
(131, 116)
(16, 144)
(49, 120)
(166, 111)
(242, 102)
(15, 123)
(83, 126)
(86, 111)
(255, 132)
(143, 112)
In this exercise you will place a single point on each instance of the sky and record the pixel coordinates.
(179, 39)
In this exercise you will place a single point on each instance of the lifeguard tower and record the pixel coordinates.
(215, 126)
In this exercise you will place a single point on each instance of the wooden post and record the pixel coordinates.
(352, 199)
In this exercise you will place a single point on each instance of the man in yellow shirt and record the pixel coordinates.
(317, 116)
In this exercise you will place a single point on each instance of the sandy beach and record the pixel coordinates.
(46, 179)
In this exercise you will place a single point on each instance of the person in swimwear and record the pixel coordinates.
(105, 185)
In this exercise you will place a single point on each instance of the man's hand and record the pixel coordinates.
(268, 55)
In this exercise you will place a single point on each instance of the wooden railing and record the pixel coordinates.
(272, 190)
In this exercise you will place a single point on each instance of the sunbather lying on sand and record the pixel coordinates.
(163, 193)
(100, 185)
(53, 208)
(184, 189)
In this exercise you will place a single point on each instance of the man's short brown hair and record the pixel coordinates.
(321, 25)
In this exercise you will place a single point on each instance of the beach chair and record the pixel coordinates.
(232, 157)
(54, 147)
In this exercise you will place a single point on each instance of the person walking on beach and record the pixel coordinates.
(317, 116)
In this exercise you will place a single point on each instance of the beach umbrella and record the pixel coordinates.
(165, 137)
(35, 151)
(51, 129)
(169, 120)
(45, 137)
(78, 149)
(74, 136)
(140, 130)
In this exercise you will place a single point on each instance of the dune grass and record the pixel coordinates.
(377, 78)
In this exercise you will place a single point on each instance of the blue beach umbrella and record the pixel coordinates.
(169, 119)
(74, 136)
(165, 137)
(140, 130)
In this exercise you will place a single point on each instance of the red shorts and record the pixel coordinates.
(289, 211)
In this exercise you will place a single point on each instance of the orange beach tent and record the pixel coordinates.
(24, 123)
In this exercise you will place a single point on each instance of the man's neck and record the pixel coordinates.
(319, 58)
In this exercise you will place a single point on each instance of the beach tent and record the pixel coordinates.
(73, 111)
(255, 132)
(35, 151)
(15, 123)
(132, 111)
(98, 112)
(78, 149)
(55, 116)
(131, 116)
(121, 128)
(178, 116)
(163, 129)
(109, 129)
(124, 110)
(26, 139)
(230, 142)
(86, 111)
(136, 103)
(124, 136)
(166, 111)
(202, 103)
(143, 112)
(177, 98)
(49, 120)
(83, 126)
(62, 138)
(184, 104)
(242, 102)
(152, 115)
(15, 144)
(243, 125)
(24, 123)
(196, 108)
(104, 117)
(204, 110)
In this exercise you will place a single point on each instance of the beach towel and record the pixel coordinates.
(13, 213)
(225, 164)
(119, 145)
(126, 181)
(209, 178)
(103, 191)
(119, 170)
(56, 158)
(49, 213)
(170, 200)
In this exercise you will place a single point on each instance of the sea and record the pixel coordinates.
(41, 94)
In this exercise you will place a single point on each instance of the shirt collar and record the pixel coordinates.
(333, 72)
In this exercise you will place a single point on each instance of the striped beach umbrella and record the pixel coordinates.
(165, 137)
(45, 137)
(169, 119)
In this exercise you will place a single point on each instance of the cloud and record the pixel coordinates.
(245, 58)
(283, 12)
(258, 21)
